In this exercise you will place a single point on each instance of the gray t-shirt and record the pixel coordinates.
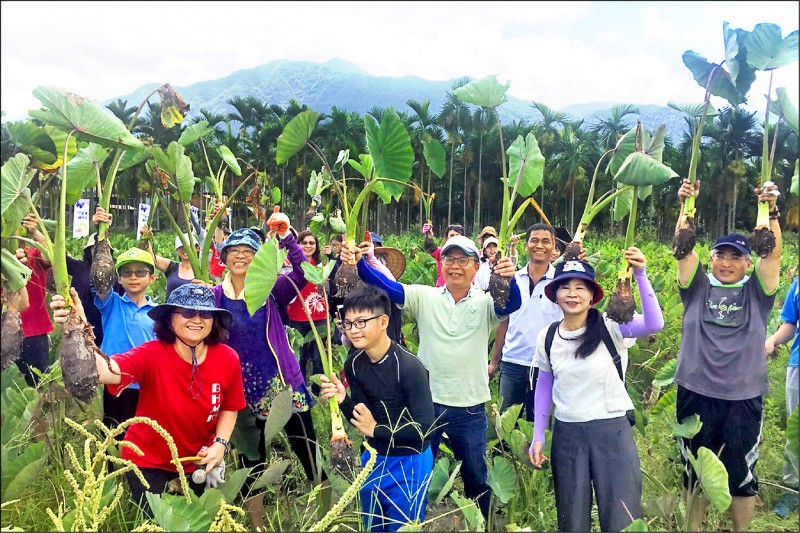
(723, 333)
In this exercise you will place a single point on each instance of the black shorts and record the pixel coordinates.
(733, 426)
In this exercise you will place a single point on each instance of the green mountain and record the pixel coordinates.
(344, 85)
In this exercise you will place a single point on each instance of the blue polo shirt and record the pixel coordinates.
(125, 324)
(791, 314)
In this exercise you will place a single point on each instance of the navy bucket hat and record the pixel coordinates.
(192, 296)
(244, 236)
(573, 269)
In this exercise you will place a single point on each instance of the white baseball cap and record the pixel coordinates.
(490, 240)
(464, 244)
(179, 244)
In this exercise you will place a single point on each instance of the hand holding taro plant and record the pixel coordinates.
(259, 281)
(522, 177)
(85, 120)
(637, 162)
(385, 171)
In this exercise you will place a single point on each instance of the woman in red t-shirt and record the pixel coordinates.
(189, 382)
(317, 306)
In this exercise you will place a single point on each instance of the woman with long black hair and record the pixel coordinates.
(581, 363)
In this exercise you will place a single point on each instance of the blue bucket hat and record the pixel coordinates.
(569, 270)
(244, 236)
(192, 296)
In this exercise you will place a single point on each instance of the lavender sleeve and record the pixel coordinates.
(652, 319)
(283, 290)
(543, 402)
(380, 267)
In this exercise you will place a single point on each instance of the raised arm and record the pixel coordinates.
(369, 275)
(61, 315)
(652, 319)
(687, 265)
(769, 268)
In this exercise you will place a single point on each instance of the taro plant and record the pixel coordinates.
(87, 121)
(732, 84)
(522, 176)
(636, 162)
(385, 170)
(768, 51)
(259, 281)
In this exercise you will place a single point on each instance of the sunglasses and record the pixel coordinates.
(189, 314)
(130, 273)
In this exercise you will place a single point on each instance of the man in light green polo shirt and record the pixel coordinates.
(454, 324)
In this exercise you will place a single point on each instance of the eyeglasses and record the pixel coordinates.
(309, 243)
(729, 257)
(361, 323)
(130, 273)
(243, 252)
(189, 314)
(462, 261)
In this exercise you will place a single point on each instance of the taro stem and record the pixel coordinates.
(342, 459)
(762, 241)
(59, 256)
(574, 248)
(622, 305)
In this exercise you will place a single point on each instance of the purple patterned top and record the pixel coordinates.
(262, 344)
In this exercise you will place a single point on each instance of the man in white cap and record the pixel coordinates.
(454, 324)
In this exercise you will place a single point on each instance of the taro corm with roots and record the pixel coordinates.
(762, 241)
(10, 338)
(499, 286)
(572, 251)
(621, 304)
(78, 363)
(102, 272)
(685, 239)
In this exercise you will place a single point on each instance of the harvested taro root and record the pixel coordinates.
(684, 240)
(762, 241)
(78, 365)
(11, 338)
(145, 239)
(102, 273)
(346, 280)
(572, 251)
(621, 305)
(342, 456)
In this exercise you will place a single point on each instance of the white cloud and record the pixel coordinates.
(559, 53)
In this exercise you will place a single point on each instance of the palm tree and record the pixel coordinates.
(482, 122)
(546, 128)
(422, 126)
(612, 128)
(573, 161)
(121, 110)
(453, 117)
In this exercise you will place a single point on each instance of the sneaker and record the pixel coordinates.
(786, 504)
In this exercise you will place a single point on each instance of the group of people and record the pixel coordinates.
(207, 370)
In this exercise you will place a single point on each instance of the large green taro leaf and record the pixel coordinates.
(317, 274)
(486, 92)
(767, 50)
(86, 118)
(262, 275)
(178, 165)
(435, 157)
(625, 146)
(688, 427)
(390, 148)
(280, 411)
(32, 140)
(622, 205)
(230, 159)
(666, 374)
(525, 155)
(472, 514)
(295, 135)
(81, 172)
(194, 131)
(502, 478)
(722, 85)
(784, 106)
(15, 176)
(173, 513)
(59, 139)
(640, 169)
(694, 110)
(713, 477)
